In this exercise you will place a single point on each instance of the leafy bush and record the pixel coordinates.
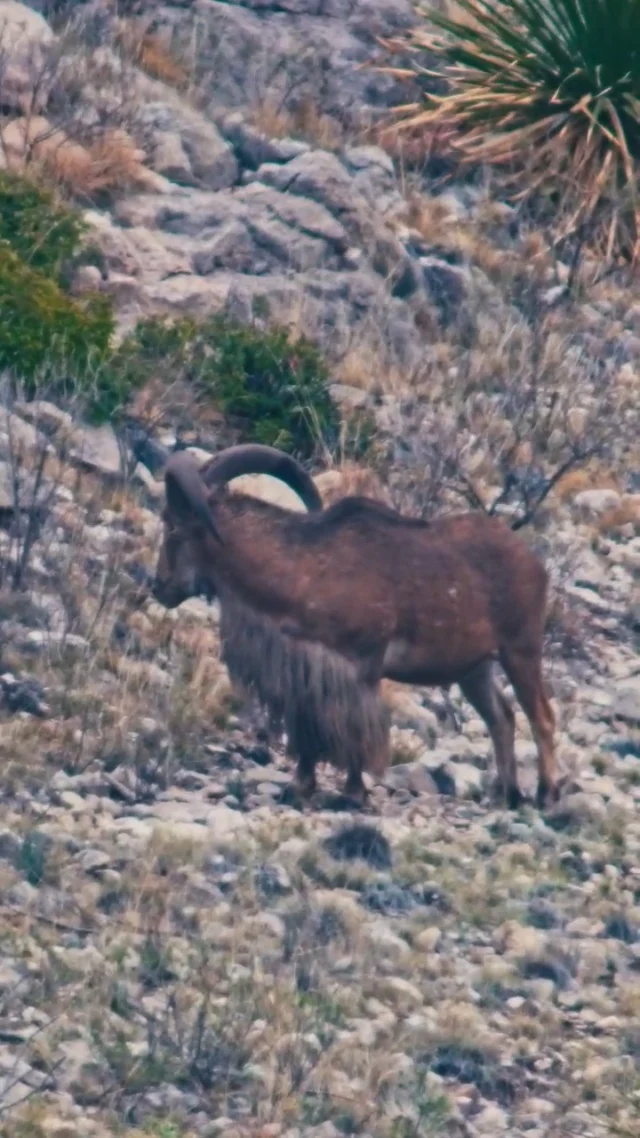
(46, 336)
(44, 333)
(43, 233)
(548, 91)
(276, 388)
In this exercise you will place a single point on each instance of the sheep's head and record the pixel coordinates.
(186, 564)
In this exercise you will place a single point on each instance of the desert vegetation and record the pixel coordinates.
(545, 94)
(273, 385)
(223, 230)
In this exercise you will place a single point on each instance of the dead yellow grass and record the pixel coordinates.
(110, 162)
(152, 54)
(593, 476)
(159, 402)
(412, 149)
(305, 122)
(627, 513)
(157, 60)
(360, 367)
(438, 224)
(435, 221)
(349, 478)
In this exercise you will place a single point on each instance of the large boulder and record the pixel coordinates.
(24, 39)
(294, 53)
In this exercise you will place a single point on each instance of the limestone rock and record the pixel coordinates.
(626, 702)
(595, 502)
(96, 448)
(25, 37)
(187, 146)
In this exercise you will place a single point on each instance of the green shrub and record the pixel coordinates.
(276, 389)
(48, 339)
(44, 333)
(549, 92)
(43, 233)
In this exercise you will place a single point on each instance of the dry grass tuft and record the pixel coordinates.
(360, 367)
(546, 93)
(110, 162)
(148, 51)
(593, 476)
(349, 478)
(306, 122)
(612, 521)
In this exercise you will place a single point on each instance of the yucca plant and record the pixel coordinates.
(546, 91)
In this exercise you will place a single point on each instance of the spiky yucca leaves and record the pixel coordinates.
(549, 92)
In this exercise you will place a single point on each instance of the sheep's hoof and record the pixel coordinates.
(297, 794)
(509, 796)
(548, 794)
(515, 798)
(356, 792)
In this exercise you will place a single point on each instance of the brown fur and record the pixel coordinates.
(311, 692)
(401, 599)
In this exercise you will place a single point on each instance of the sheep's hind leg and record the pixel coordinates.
(480, 686)
(524, 669)
(355, 789)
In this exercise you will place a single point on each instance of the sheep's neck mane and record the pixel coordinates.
(258, 559)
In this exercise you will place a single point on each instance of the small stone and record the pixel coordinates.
(578, 807)
(9, 976)
(10, 844)
(514, 1003)
(268, 790)
(466, 780)
(87, 278)
(39, 639)
(73, 801)
(96, 448)
(93, 861)
(414, 777)
(269, 923)
(592, 503)
(626, 701)
(585, 927)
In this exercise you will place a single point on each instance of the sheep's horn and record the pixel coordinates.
(186, 492)
(254, 458)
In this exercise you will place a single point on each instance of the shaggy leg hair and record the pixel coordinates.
(313, 693)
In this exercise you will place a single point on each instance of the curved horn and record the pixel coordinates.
(254, 458)
(186, 492)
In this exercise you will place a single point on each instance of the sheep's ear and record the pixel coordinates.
(179, 502)
(186, 493)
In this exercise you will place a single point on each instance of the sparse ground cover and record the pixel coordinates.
(182, 954)
(179, 948)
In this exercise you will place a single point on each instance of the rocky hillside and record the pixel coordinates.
(183, 953)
